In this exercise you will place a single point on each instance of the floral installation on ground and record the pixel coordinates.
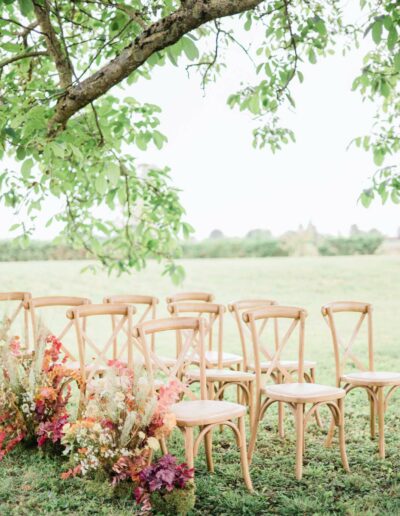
(34, 394)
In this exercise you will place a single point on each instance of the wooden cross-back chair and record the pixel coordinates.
(39, 304)
(237, 309)
(295, 394)
(203, 413)
(218, 377)
(19, 299)
(93, 356)
(215, 313)
(374, 382)
(145, 309)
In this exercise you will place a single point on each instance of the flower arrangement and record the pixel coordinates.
(166, 487)
(34, 393)
(122, 424)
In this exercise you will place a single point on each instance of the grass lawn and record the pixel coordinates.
(29, 482)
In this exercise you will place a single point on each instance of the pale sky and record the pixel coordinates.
(226, 184)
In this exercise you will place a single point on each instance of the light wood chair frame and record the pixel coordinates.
(302, 416)
(215, 317)
(237, 309)
(194, 346)
(78, 316)
(378, 400)
(149, 313)
(23, 298)
(35, 303)
(205, 297)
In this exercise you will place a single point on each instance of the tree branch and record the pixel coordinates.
(158, 36)
(61, 61)
(17, 57)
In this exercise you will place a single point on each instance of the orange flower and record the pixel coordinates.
(47, 393)
(83, 451)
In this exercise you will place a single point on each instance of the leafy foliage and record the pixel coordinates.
(71, 130)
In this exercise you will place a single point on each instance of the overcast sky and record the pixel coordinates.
(226, 184)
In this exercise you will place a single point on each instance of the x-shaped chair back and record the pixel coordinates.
(344, 351)
(257, 318)
(237, 309)
(204, 297)
(192, 348)
(145, 309)
(19, 299)
(93, 355)
(39, 304)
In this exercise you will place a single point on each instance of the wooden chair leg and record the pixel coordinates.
(381, 421)
(281, 419)
(299, 439)
(281, 413)
(163, 446)
(318, 419)
(254, 429)
(208, 450)
(189, 446)
(342, 438)
(331, 431)
(250, 402)
(243, 455)
(372, 416)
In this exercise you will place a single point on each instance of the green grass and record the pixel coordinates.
(29, 482)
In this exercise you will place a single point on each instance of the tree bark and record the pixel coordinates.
(165, 32)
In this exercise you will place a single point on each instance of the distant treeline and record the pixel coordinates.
(304, 242)
(247, 247)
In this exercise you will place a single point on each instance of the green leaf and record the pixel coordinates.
(112, 172)
(189, 48)
(366, 198)
(396, 62)
(101, 185)
(159, 139)
(392, 38)
(26, 7)
(377, 31)
(311, 56)
(379, 156)
(26, 168)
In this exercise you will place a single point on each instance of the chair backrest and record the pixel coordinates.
(192, 348)
(99, 354)
(257, 319)
(214, 326)
(19, 299)
(344, 351)
(37, 304)
(205, 297)
(237, 308)
(146, 309)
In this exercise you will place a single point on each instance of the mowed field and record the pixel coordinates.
(30, 482)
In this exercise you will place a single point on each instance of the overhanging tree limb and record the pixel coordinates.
(158, 36)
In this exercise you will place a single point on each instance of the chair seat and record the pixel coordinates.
(222, 375)
(303, 392)
(228, 359)
(378, 378)
(205, 412)
(290, 365)
(167, 361)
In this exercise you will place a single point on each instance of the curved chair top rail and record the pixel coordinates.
(101, 309)
(247, 304)
(39, 302)
(191, 296)
(131, 298)
(187, 307)
(172, 323)
(346, 306)
(15, 296)
(274, 311)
